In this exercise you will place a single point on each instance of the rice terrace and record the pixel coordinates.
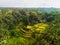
(29, 26)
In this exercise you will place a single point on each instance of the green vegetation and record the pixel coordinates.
(29, 27)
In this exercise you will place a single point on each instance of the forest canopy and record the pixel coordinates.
(29, 27)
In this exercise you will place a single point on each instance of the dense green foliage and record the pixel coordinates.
(29, 27)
